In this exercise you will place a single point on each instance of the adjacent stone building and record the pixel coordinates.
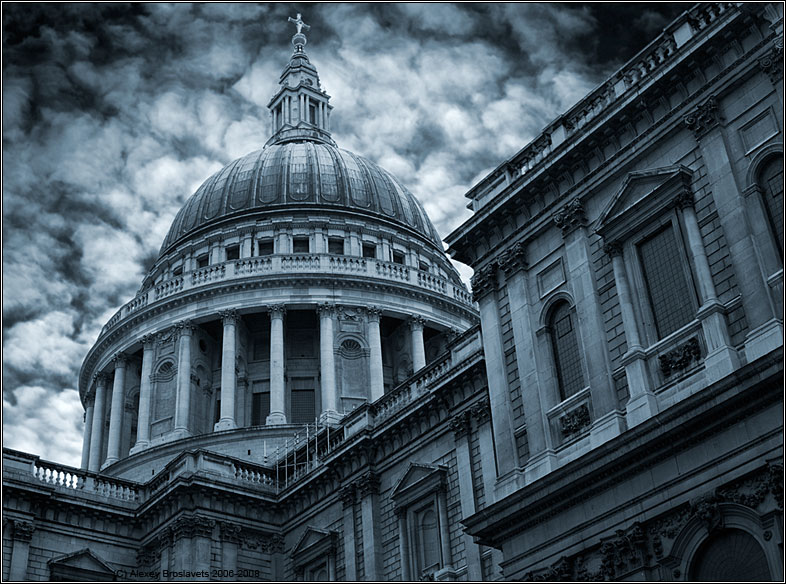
(303, 389)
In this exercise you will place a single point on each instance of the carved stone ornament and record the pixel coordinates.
(228, 316)
(120, 360)
(703, 118)
(276, 310)
(680, 357)
(460, 424)
(347, 495)
(368, 484)
(184, 328)
(373, 314)
(100, 379)
(230, 532)
(613, 249)
(326, 309)
(481, 411)
(23, 530)
(483, 282)
(575, 421)
(772, 62)
(193, 526)
(570, 217)
(514, 258)
(684, 199)
(706, 510)
(148, 341)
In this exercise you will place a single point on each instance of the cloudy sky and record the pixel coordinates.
(114, 114)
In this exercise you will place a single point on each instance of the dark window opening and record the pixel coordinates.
(300, 245)
(233, 252)
(312, 113)
(265, 247)
(217, 412)
(260, 407)
(302, 400)
(369, 250)
(667, 284)
(398, 257)
(178, 271)
(202, 261)
(771, 182)
(423, 266)
(336, 246)
(567, 357)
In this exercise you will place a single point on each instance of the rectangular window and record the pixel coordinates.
(261, 347)
(178, 271)
(265, 247)
(300, 245)
(260, 403)
(302, 401)
(398, 257)
(202, 261)
(217, 412)
(312, 113)
(233, 252)
(667, 285)
(336, 246)
(423, 266)
(369, 250)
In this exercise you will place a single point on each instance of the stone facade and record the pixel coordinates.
(303, 389)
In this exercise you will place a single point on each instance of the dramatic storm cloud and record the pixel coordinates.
(114, 114)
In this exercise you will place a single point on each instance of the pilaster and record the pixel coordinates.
(367, 488)
(461, 426)
(20, 551)
(348, 497)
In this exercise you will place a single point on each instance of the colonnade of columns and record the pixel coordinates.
(96, 404)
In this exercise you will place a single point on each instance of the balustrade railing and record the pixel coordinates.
(58, 475)
(291, 263)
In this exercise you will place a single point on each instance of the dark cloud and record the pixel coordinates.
(113, 114)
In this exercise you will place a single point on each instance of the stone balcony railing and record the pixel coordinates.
(623, 84)
(291, 264)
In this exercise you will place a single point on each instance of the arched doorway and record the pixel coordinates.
(730, 555)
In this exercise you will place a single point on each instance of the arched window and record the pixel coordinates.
(770, 181)
(730, 555)
(567, 356)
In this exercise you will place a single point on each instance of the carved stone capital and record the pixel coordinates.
(613, 249)
(373, 314)
(276, 310)
(772, 62)
(326, 309)
(230, 532)
(514, 259)
(570, 217)
(23, 530)
(483, 282)
(228, 316)
(148, 341)
(193, 526)
(684, 199)
(120, 360)
(347, 495)
(416, 322)
(184, 328)
(481, 411)
(368, 484)
(100, 379)
(460, 425)
(703, 118)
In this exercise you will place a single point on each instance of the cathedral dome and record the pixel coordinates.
(300, 175)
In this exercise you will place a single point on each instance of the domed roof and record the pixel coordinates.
(296, 175)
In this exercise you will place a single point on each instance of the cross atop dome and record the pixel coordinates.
(300, 110)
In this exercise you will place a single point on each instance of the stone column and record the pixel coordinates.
(183, 400)
(765, 330)
(418, 349)
(327, 363)
(368, 491)
(460, 424)
(483, 291)
(145, 396)
(277, 386)
(97, 433)
(89, 400)
(608, 421)
(642, 403)
(721, 358)
(444, 528)
(228, 378)
(116, 410)
(347, 495)
(202, 543)
(20, 550)
(403, 546)
(375, 370)
(541, 453)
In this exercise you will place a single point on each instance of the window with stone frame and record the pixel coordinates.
(336, 245)
(314, 555)
(646, 225)
(369, 250)
(424, 536)
(300, 245)
(260, 402)
(562, 325)
(202, 261)
(233, 252)
(770, 181)
(265, 247)
(398, 257)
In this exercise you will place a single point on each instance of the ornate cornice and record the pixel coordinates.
(570, 217)
(703, 118)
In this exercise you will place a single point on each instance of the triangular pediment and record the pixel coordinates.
(641, 194)
(83, 559)
(415, 475)
(310, 537)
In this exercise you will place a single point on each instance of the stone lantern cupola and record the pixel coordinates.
(300, 109)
